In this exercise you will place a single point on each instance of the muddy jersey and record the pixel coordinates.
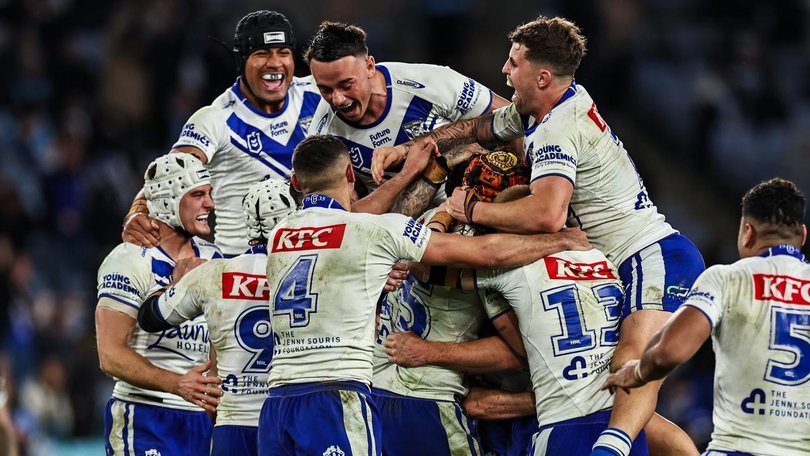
(759, 309)
(419, 99)
(567, 305)
(243, 145)
(610, 201)
(327, 268)
(232, 295)
(127, 277)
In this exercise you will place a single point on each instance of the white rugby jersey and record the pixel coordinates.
(759, 309)
(127, 277)
(232, 295)
(327, 268)
(434, 313)
(419, 99)
(567, 305)
(609, 201)
(243, 145)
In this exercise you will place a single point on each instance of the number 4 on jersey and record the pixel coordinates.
(294, 297)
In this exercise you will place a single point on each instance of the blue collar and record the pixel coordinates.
(785, 249)
(259, 248)
(570, 92)
(318, 200)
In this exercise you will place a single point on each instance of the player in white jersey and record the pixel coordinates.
(232, 295)
(368, 105)
(247, 133)
(327, 268)
(582, 175)
(757, 311)
(160, 394)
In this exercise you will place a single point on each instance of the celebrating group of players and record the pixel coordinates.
(448, 310)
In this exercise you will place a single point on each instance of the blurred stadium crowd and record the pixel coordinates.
(709, 97)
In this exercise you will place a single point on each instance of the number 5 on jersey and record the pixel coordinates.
(293, 297)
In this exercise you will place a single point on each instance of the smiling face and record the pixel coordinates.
(268, 75)
(345, 84)
(195, 207)
(523, 76)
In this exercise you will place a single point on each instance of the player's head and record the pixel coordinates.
(264, 43)
(266, 203)
(772, 213)
(178, 192)
(339, 61)
(489, 174)
(320, 163)
(545, 53)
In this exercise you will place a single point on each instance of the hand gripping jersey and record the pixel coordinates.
(243, 145)
(128, 276)
(567, 306)
(435, 313)
(759, 309)
(609, 201)
(420, 98)
(232, 295)
(327, 268)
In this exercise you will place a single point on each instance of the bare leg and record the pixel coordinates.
(665, 438)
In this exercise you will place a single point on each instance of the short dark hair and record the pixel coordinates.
(776, 202)
(314, 160)
(335, 40)
(557, 42)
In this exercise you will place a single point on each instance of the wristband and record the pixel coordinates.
(138, 207)
(469, 204)
(442, 218)
(435, 173)
(637, 374)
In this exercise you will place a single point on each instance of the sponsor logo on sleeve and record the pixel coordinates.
(467, 98)
(309, 238)
(700, 294)
(237, 285)
(785, 289)
(410, 83)
(553, 152)
(414, 232)
(119, 282)
(190, 133)
(559, 268)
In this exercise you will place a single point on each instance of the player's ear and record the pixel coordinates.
(350, 173)
(543, 78)
(295, 184)
(804, 234)
(370, 66)
(749, 235)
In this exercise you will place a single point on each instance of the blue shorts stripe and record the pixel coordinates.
(465, 426)
(639, 280)
(125, 435)
(369, 437)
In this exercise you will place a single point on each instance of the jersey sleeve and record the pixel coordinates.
(508, 283)
(553, 149)
(205, 130)
(507, 123)
(124, 278)
(184, 300)
(495, 304)
(469, 97)
(409, 237)
(707, 294)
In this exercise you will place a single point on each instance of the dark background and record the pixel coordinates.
(708, 97)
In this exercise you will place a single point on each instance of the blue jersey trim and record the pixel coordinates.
(489, 105)
(115, 298)
(492, 318)
(785, 249)
(297, 389)
(318, 200)
(238, 92)
(711, 325)
(259, 157)
(555, 174)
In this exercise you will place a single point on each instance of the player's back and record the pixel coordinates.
(233, 296)
(327, 268)
(567, 306)
(761, 310)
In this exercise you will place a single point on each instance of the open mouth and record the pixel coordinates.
(347, 108)
(202, 218)
(273, 81)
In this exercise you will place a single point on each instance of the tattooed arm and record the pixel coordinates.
(463, 132)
